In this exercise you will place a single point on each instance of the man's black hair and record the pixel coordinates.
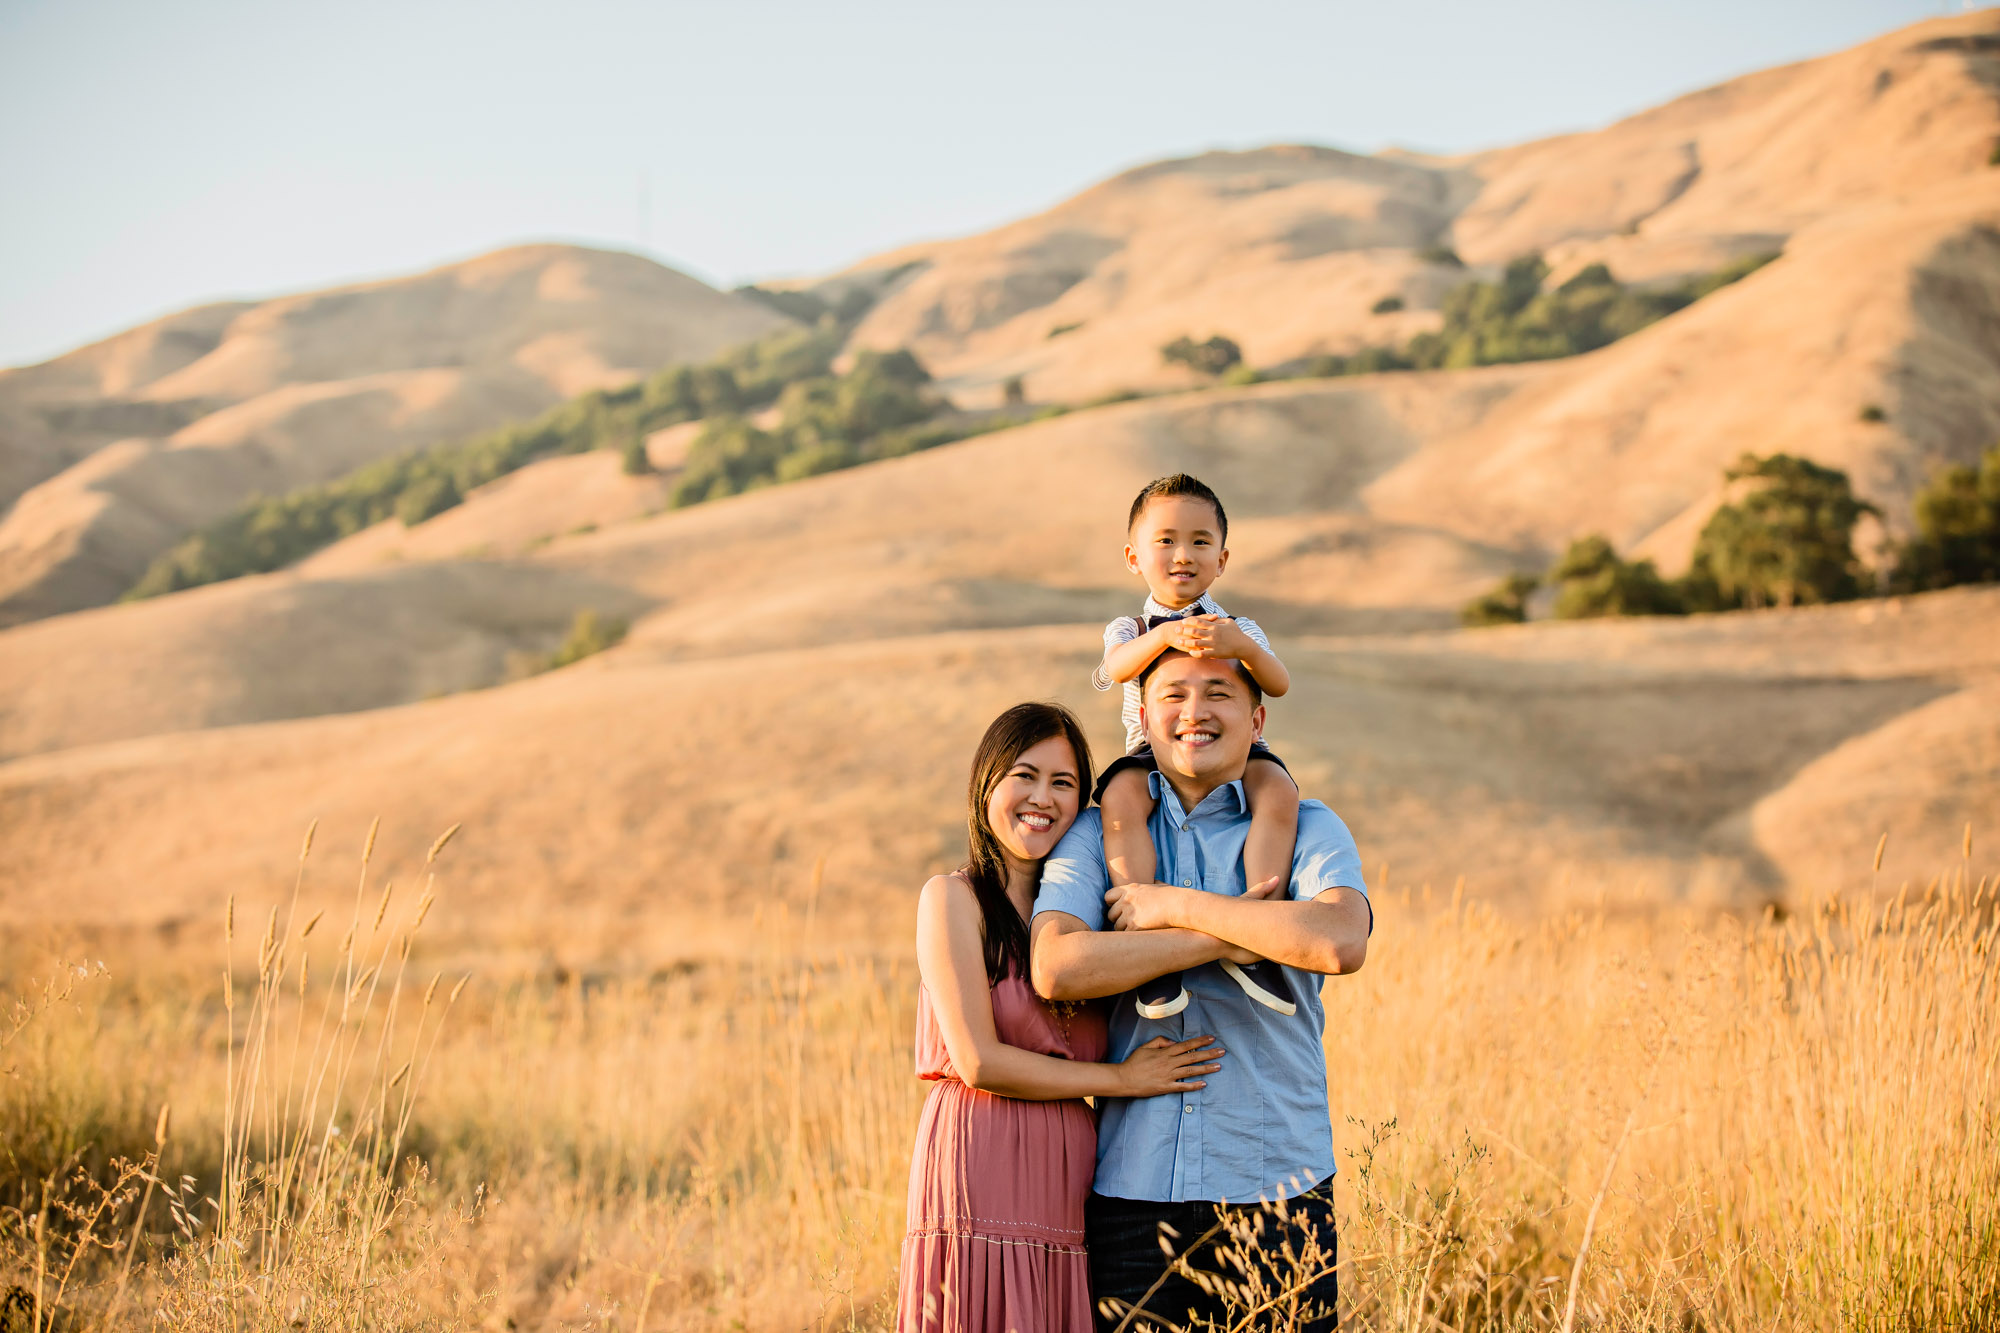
(1178, 484)
(1256, 690)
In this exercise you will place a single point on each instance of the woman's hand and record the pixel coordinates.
(1162, 1066)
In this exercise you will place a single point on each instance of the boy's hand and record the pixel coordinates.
(1227, 639)
(1209, 636)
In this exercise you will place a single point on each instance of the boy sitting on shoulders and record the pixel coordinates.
(1176, 538)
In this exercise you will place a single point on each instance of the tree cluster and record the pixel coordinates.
(1520, 318)
(1212, 357)
(268, 533)
(825, 423)
(1785, 538)
(1958, 529)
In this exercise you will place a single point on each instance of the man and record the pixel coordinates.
(1260, 1130)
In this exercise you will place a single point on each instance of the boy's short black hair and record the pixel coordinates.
(1180, 483)
(1256, 690)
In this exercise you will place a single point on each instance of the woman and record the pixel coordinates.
(1006, 1145)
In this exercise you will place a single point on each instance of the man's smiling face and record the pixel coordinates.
(1200, 715)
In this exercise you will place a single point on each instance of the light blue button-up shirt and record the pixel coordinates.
(1260, 1129)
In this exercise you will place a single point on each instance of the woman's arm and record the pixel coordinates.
(949, 955)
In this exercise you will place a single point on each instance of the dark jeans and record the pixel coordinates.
(1291, 1252)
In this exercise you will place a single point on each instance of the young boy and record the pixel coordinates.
(1176, 538)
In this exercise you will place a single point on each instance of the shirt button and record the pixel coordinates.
(1187, 1110)
(1187, 883)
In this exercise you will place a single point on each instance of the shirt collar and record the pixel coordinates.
(1205, 605)
(1228, 798)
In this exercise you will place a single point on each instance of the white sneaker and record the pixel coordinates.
(1162, 997)
(1257, 992)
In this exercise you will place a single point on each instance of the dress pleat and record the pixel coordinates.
(997, 1186)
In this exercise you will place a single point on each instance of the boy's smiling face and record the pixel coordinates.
(1176, 546)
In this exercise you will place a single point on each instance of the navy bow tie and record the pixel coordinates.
(1154, 622)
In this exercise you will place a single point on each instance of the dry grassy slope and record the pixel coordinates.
(637, 793)
(1896, 305)
(1020, 528)
(112, 452)
(1752, 160)
(1286, 249)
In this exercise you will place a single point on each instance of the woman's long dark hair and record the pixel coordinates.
(1012, 734)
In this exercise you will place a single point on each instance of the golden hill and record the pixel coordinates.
(1868, 168)
(664, 802)
(809, 664)
(111, 453)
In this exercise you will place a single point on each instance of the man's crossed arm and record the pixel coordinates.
(1162, 928)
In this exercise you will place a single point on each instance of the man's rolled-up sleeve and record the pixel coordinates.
(1074, 877)
(1326, 857)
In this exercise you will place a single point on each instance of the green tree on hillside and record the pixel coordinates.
(1958, 529)
(269, 533)
(1591, 580)
(1505, 604)
(1789, 540)
(728, 457)
(1213, 357)
(633, 458)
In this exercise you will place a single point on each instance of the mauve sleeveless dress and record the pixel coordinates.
(997, 1185)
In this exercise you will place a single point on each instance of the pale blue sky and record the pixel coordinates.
(154, 156)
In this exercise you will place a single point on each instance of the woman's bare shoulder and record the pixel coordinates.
(950, 886)
(949, 897)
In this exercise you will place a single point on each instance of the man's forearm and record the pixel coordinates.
(1083, 964)
(1328, 934)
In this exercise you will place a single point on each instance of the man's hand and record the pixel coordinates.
(1159, 906)
(1143, 906)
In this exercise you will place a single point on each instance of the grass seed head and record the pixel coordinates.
(305, 848)
(438, 846)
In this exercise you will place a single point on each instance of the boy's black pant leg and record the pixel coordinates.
(1293, 1251)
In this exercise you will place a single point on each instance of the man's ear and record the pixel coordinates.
(1257, 723)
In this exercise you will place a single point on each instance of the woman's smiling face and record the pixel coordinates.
(1036, 800)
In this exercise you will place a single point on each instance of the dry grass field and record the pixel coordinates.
(1681, 1012)
(1590, 1120)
